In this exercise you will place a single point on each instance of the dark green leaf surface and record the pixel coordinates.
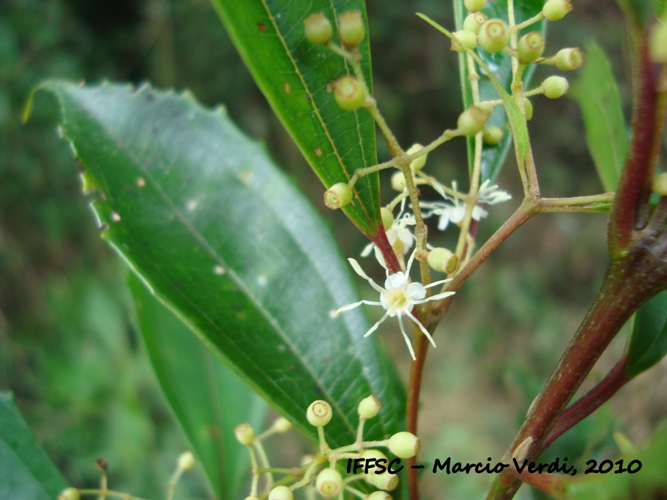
(296, 76)
(208, 400)
(230, 245)
(597, 94)
(25, 469)
(648, 343)
(493, 157)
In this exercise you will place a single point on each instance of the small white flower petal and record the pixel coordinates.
(357, 269)
(479, 213)
(407, 339)
(376, 325)
(421, 327)
(457, 213)
(395, 281)
(415, 291)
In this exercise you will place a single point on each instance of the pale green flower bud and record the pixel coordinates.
(472, 120)
(387, 218)
(494, 35)
(492, 135)
(349, 93)
(281, 493)
(404, 444)
(318, 29)
(379, 495)
(555, 87)
(657, 43)
(555, 10)
(282, 425)
(659, 185)
(386, 481)
(473, 22)
(319, 413)
(329, 483)
(418, 163)
(474, 5)
(442, 260)
(464, 40)
(70, 494)
(186, 461)
(398, 181)
(338, 196)
(369, 407)
(531, 47)
(245, 434)
(351, 29)
(528, 108)
(569, 59)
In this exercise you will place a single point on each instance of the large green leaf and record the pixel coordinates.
(231, 246)
(296, 76)
(598, 97)
(493, 157)
(648, 343)
(208, 399)
(25, 469)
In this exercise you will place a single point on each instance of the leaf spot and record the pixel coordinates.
(262, 279)
(287, 88)
(244, 176)
(115, 216)
(192, 205)
(141, 182)
(318, 152)
(261, 27)
(219, 270)
(281, 348)
(333, 314)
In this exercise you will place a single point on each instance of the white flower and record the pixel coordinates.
(491, 194)
(398, 297)
(397, 232)
(453, 211)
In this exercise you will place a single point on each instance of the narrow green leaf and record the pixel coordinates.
(208, 400)
(597, 94)
(231, 246)
(493, 157)
(648, 343)
(25, 469)
(296, 77)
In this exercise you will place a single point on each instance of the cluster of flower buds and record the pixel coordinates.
(351, 29)
(328, 481)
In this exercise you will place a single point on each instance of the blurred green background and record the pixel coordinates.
(68, 347)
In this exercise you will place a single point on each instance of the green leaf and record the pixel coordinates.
(597, 94)
(641, 11)
(648, 343)
(232, 247)
(208, 399)
(296, 77)
(25, 469)
(493, 157)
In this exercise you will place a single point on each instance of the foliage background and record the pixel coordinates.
(68, 347)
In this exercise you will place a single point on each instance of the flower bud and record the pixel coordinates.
(528, 108)
(369, 407)
(329, 483)
(555, 87)
(659, 185)
(282, 425)
(472, 120)
(474, 5)
(657, 43)
(464, 40)
(252, 497)
(492, 135)
(555, 10)
(351, 29)
(337, 196)
(186, 461)
(387, 218)
(494, 35)
(281, 493)
(417, 163)
(70, 494)
(442, 260)
(398, 181)
(349, 93)
(404, 444)
(473, 22)
(318, 29)
(379, 495)
(319, 413)
(569, 59)
(386, 481)
(530, 47)
(245, 434)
